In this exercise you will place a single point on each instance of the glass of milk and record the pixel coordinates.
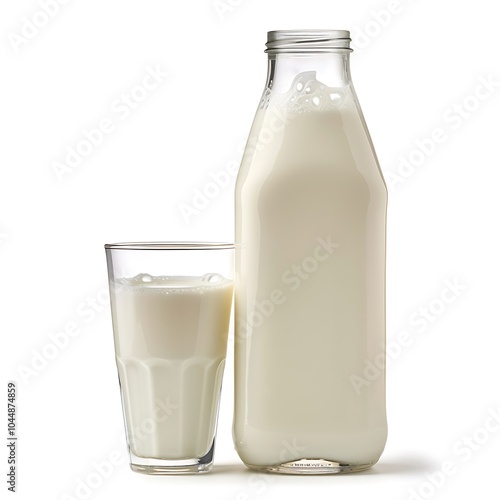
(171, 306)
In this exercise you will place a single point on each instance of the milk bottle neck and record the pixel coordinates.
(298, 56)
(330, 68)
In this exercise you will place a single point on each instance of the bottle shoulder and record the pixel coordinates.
(333, 146)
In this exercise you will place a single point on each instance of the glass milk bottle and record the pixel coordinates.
(310, 269)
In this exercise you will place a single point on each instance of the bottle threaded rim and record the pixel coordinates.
(301, 41)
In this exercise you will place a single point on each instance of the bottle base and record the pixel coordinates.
(311, 466)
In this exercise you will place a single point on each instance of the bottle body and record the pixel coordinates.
(310, 278)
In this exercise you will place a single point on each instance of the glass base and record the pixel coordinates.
(159, 466)
(311, 466)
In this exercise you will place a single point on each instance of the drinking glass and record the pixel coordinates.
(170, 305)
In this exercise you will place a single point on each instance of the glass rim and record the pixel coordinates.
(170, 245)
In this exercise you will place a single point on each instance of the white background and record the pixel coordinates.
(417, 66)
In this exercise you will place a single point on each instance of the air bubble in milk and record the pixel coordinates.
(306, 94)
(212, 278)
(147, 283)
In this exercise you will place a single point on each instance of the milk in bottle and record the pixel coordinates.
(310, 268)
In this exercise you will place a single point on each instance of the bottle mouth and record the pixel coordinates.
(302, 41)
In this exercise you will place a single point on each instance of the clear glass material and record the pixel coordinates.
(171, 306)
(310, 269)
